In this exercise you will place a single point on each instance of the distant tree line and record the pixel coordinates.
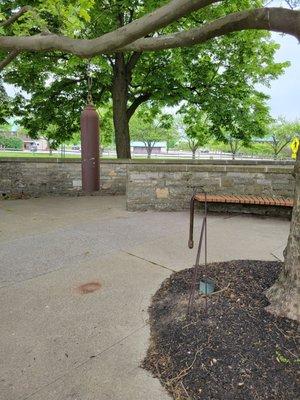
(10, 142)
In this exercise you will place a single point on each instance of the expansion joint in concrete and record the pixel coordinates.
(93, 356)
(149, 261)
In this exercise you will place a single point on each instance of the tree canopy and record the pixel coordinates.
(151, 125)
(224, 70)
(281, 133)
(197, 127)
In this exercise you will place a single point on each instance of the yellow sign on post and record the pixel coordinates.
(295, 146)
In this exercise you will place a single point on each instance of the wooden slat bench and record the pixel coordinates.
(233, 199)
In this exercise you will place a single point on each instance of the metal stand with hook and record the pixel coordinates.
(195, 268)
(89, 85)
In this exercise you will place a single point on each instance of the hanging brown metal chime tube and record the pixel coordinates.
(90, 167)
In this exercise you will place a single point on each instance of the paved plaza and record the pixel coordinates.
(76, 279)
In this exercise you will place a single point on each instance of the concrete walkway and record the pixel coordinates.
(58, 342)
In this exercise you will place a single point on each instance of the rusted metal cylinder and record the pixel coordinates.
(89, 122)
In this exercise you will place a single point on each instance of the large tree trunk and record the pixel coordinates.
(284, 295)
(119, 98)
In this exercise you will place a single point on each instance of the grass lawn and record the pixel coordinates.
(22, 154)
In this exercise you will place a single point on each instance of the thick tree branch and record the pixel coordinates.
(136, 103)
(14, 17)
(273, 19)
(108, 42)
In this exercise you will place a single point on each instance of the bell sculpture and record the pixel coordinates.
(89, 122)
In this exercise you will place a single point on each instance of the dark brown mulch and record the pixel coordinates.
(239, 351)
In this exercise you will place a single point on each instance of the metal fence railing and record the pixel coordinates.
(62, 152)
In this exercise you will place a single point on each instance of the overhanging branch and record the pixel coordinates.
(273, 19)
(111, 41)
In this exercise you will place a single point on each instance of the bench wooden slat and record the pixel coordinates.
(244, 199)
(240, 199)
(289, 202)
(272, 202)
(236, 199)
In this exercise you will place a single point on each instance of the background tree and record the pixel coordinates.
(50, 134)
(241, 120)
(234, 144)
(10, 142)
(5, 127)
(281, 134)
(197, 128)
(151, 125)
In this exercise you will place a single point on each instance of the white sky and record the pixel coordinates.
(285, 91)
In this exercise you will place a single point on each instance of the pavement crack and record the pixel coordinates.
(149, 261)
(277, 258)
(89, 359)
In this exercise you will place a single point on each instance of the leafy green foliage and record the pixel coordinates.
(4, 105)
(151, 125)
(223, 83)
(50, 133)
(106, 126)
(197, 127)
(281, 133)
(65, 17)
(10, 142)
(283, 359)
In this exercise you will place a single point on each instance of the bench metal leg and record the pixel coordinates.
(192, 214)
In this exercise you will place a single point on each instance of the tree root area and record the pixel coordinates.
(235, 350)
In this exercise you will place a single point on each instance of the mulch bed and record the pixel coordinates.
(237, 351)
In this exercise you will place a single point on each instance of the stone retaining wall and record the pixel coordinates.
(169, 187)
(38, 177)
(160, 185)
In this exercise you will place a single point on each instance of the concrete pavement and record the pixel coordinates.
(58, 342)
